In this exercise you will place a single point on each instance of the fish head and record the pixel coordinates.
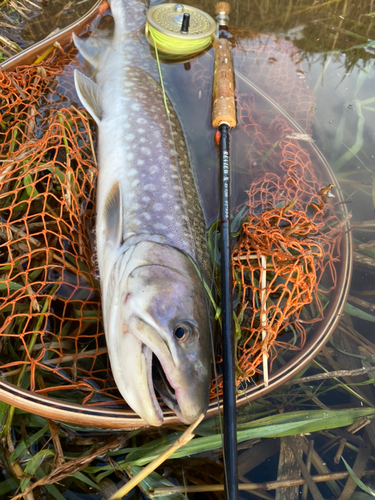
(163, 336)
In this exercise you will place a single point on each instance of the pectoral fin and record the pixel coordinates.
(113, 215)
(90, 95)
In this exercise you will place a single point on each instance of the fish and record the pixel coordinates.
(151, 243)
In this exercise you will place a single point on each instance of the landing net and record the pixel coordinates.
(51, 334)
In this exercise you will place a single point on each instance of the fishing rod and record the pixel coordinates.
(223, 118)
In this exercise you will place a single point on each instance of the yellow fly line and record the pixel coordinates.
(176, 46)
(164, 29)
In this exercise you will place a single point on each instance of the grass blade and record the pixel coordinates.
(358, 313)
(85, 479)
(356, 479)
(286, 424)
(33, 465)
(154, 480)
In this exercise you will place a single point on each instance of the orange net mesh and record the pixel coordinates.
(278, 264)
(49, 296)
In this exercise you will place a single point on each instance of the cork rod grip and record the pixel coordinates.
(223, 105)
(222, 8)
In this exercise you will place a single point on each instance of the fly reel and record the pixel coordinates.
(178, 31)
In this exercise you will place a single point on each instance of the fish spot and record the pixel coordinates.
(165, 195)
(129, 156)
(132, 171)
(146, 199)
(141, 121)
(149, 187)
(146, 151)
(134, 183)
(140, 162)
(147, 216)
(154, 169)
(141, 130)
(159, 226)
(158, 207)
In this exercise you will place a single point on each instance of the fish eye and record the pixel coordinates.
(182, 332)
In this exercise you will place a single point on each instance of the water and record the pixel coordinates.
(26, 23)
(337, 81)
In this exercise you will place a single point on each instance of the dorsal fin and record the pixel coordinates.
(113, 215)
(89, 94)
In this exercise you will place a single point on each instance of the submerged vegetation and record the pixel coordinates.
(47, 453)
(25, 22)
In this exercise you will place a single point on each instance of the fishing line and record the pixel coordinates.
(163, 32)
(209, 289)
(176, 46)
(216, 253)
(162, 88)
(175, 151)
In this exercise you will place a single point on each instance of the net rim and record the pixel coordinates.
(126, 419)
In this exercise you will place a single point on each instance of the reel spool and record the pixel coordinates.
(166, 28)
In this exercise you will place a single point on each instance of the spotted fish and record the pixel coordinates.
(150, 230)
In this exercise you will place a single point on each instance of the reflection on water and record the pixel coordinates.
(328, 74)
(23, 23)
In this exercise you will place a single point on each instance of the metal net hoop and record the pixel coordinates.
(51, 337)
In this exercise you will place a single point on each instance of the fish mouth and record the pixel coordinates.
(153, 375)
(162, 386)
(160, 383)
